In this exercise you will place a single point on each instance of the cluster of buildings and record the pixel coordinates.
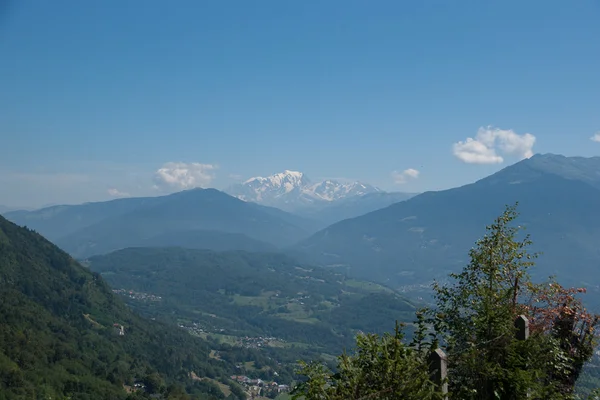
(258, 342)
(137, 295)
(258, 387)
(196, 329)
(300, 299)
(247, 341)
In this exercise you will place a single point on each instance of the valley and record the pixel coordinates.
(59, 336)
(239, 297)
(207, 200)
(400, 240)
(257, 288)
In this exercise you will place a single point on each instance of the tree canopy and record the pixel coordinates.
(57, 334)
(473, 322)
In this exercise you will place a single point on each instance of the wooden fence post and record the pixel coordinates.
(438, 370)
(522, 325)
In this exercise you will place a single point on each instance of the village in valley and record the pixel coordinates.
(255, 388)
(137, 295)
(259, 388)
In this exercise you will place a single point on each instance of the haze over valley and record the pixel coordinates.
(398, 239)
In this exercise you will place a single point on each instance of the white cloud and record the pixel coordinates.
(181, 176)
(117, 193)
(491, 144)
(596, 137)
(404, 176)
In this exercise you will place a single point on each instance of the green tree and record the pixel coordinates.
(154, 383)
(176, 392)
(473, 322)
(382, 367)
(559, 312)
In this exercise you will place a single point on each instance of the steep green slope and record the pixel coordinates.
(57, 337)
(429, 235)
(238, 294)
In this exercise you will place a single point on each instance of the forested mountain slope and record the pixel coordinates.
(205, 218)
(429, 235)
(57, 334)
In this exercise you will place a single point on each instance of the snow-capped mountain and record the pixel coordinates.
(333, 190)
(260, 190)
(292, 190)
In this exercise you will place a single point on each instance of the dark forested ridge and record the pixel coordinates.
(202, 218)
(58, 221)
(57, 333)
(237, 294)
(429, 235)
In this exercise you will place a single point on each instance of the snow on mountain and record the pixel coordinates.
(261, 189)
(290, 190)
(332, 190)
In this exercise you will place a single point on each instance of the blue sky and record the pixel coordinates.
(96, 97)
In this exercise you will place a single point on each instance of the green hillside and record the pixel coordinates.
(57, 338)
(231, 295)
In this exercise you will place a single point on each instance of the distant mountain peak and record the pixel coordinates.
(290, 189)
(559, 158)
(293, 173)
(280, 178)
(584, 169)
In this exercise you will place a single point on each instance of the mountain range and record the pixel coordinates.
(293, 191)
(57, 316)
(429, 235)
(395, 238)
(197, 218)
(64, 333)
(201, 218)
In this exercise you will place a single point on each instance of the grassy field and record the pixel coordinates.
(259, 301)
(224, 388)
(368, 286)
(295, 311)
(231, 340)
